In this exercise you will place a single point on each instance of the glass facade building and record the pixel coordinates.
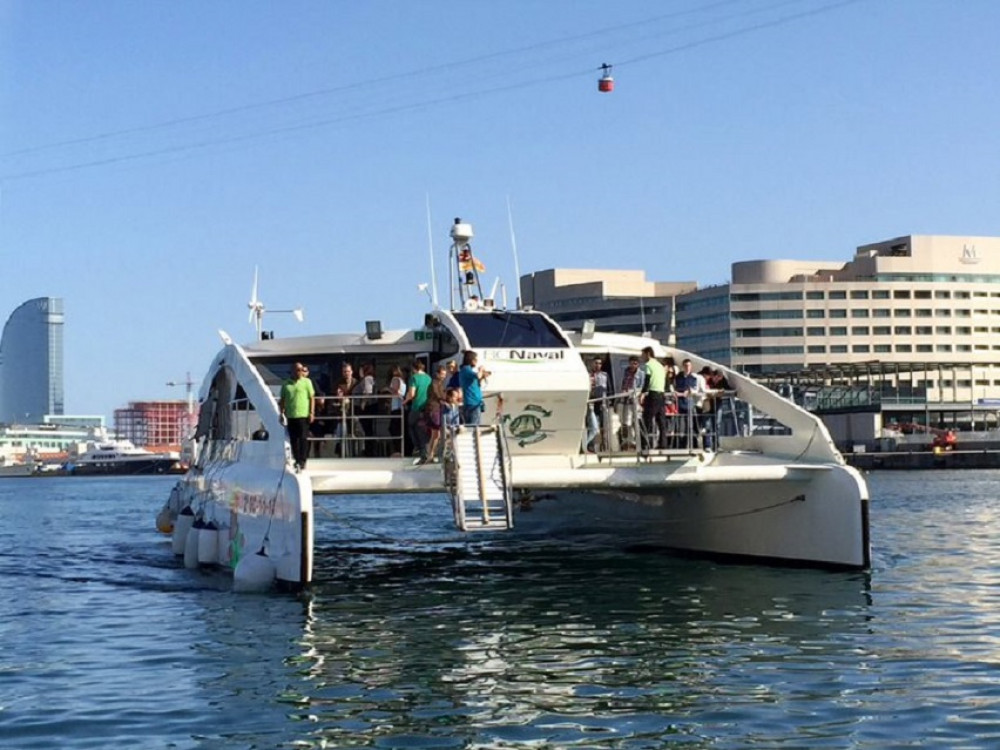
(31, 362)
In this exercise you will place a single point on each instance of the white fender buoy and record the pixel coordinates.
(181, 528)
(191, 544)
(254, 574)
(177, 499)
(208, 544)
(222, 545)
(165, 521)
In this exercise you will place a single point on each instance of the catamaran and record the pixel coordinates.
(757, 479)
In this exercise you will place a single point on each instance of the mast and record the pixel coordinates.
(467, 266)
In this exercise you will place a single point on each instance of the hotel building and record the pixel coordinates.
(618, 301)
(31, 362)
(909, 329)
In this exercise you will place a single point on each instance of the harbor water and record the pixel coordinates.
(417, 637)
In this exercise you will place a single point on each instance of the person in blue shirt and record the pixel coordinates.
(470, 378)
(690, 389)
(451, 416)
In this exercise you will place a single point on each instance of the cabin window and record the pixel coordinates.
(498, 330)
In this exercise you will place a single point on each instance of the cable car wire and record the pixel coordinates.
(405, 107)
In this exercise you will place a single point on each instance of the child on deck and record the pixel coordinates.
(450, 410)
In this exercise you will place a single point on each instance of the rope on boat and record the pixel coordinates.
(274, 505)
(796, 499)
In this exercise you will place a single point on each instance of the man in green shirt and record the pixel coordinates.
(415, 401)
(298, 409)
(651, 399)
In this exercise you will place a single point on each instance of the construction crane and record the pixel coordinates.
(189, 386)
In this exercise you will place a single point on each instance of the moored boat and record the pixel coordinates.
(712, 486)
(120, 458)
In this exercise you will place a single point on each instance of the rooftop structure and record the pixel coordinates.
(616, 301)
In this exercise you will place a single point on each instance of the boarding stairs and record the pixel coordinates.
(477, 475)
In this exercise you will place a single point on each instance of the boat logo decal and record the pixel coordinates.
(254, 504)
(525, 355)
(526, 427)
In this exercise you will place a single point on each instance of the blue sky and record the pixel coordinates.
(153, 153)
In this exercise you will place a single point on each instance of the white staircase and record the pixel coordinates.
(477, 475)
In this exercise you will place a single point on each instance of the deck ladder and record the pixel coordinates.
(478, 479)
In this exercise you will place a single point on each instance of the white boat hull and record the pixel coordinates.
(722, 505)
(809, 523)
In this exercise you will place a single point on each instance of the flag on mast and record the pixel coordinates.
(466, 261)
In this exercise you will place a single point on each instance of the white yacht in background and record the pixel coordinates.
(783, 497)
(17, 463)
(112, 457)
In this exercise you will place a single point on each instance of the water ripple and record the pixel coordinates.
(431, 640)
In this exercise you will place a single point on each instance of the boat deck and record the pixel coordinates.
(583, 471)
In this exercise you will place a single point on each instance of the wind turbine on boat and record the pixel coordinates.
(257, 309)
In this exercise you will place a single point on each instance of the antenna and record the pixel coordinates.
(513, 245)
(430, 247)
(257, 309)
(672, 336)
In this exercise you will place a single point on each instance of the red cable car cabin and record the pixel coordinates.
(606, 84)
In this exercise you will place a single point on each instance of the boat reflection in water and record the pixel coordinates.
(521, 643)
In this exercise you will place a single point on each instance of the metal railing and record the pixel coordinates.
(357, 426)
(623, 424)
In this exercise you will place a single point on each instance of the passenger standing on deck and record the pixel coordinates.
(298, 409)
(651, 399)
(632, 382)
(470, 379)
(691, 389)
(365, 405)
(396, 392)
(599, 388)
(451, 412)
(416, 399)
(435, 399)
(452, 381)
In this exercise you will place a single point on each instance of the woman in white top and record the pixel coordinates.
(397, 391)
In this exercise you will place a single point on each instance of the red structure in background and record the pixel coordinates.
(161, 425)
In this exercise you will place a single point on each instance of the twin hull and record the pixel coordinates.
(776, 497)
(813, 515)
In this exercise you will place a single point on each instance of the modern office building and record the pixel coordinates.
(619, 301)
(31, 362)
